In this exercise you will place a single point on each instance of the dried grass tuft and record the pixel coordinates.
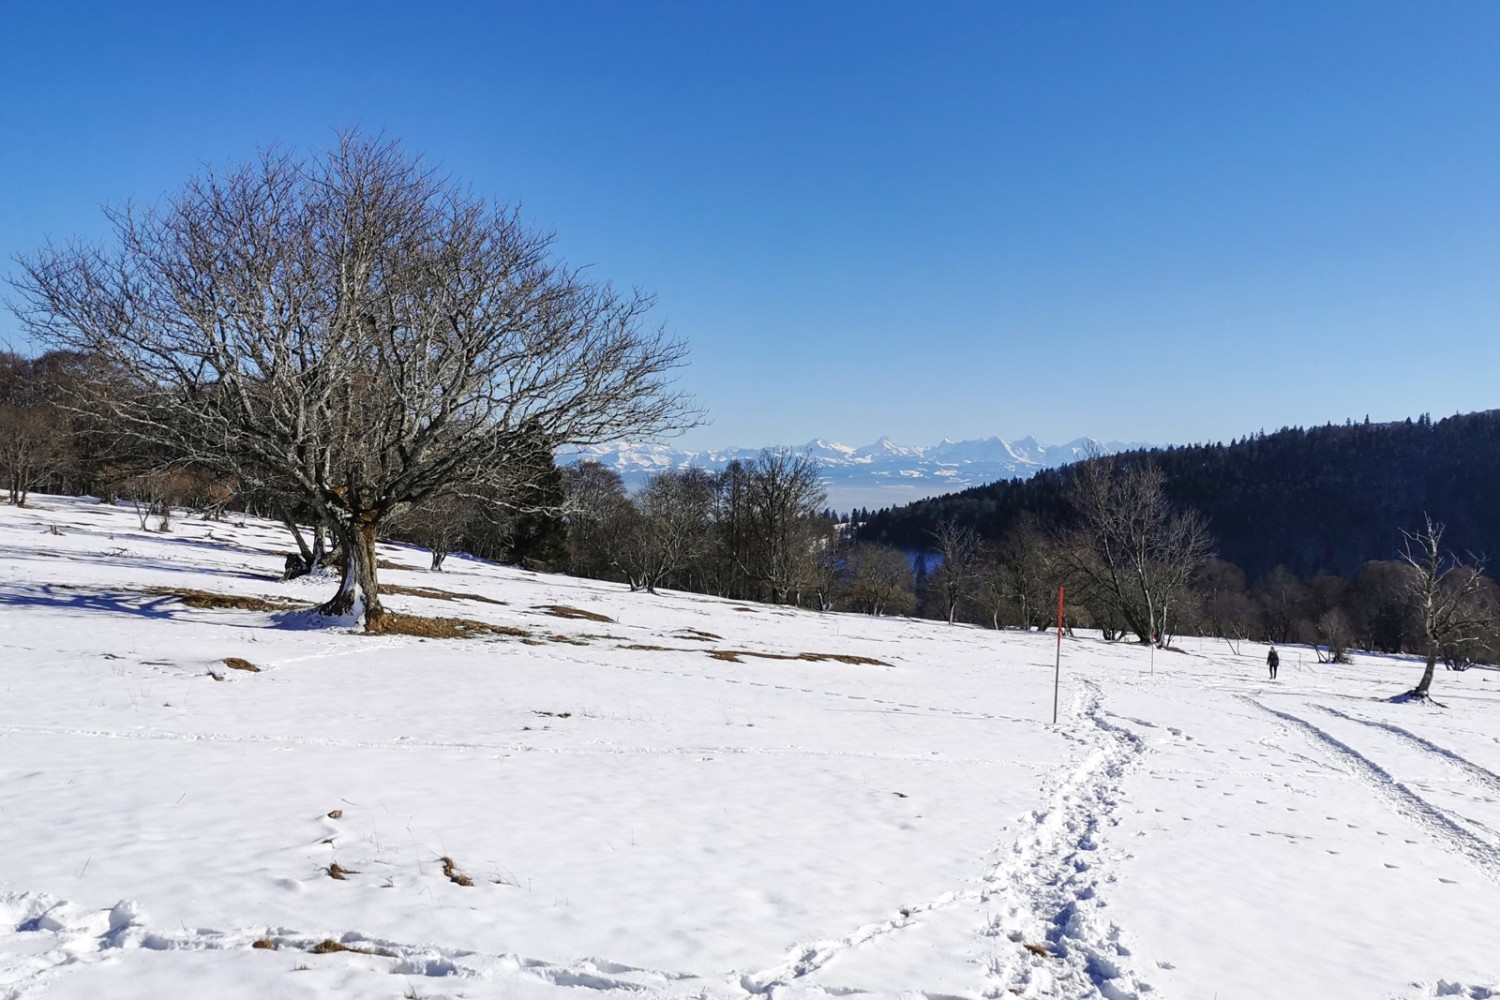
(339, 872)
(564, 611)
(235, 663)
(435, 594)
(393, 623)
(265, 944)
(205, 599)
(454, 875)
(328, 946)
(733, 656)
(693, 633)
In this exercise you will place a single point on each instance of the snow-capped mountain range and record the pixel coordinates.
(883, 474)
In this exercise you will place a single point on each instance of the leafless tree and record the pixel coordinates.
(354, 328)
(1335, 632)
(958, 546)
(672, 529)
(1453, 600)
(1135, 554)
(595, 512)
(784, 496)
(880, 579)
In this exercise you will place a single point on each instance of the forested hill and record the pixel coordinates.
(1319, 500)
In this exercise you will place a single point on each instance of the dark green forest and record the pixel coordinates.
(1319, 500)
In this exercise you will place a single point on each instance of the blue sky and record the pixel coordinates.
(1168, 222)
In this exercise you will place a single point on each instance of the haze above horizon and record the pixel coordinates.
(1172, 223)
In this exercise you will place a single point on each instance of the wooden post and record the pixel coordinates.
(1057, 671)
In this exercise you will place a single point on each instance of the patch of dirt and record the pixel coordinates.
(563, 611)
(733, 656)
(235, 663)
(205, 599)
(435, 594)
(655, 649)
(693, 633)
(393, 623)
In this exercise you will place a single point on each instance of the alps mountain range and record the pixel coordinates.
(883, 474)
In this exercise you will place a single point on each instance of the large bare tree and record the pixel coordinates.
(354, 329)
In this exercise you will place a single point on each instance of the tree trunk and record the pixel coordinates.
(1420, 691)
(358, 543)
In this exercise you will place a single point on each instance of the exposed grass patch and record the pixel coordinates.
(435, 594)
(693, 633)
(454, 875)
(563, 611)
(646, 647)
(393, 623)
(265, 944)
(205, 599)
(733, 656)
(328, 946)
(236, 663)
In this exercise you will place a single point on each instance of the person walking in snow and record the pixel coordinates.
(1272, 660)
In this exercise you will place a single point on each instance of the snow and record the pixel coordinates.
(641, 818)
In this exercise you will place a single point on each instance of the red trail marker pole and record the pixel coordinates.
(1057, 672)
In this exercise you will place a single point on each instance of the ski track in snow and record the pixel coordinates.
(1489, 779)
(1447, 830)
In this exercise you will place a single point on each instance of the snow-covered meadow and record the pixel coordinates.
(641, 812)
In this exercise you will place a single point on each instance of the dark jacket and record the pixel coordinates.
(1272, 659)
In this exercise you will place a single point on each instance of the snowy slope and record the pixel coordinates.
(639, 817)
(882, 474)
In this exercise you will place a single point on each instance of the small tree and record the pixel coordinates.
(1451, 597)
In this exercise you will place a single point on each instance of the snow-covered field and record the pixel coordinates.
(640, 817)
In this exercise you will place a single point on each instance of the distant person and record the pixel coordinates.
(1272, 661)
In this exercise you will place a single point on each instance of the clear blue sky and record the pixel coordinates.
(1157, 221)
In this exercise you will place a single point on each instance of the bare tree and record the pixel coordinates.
(1453, 600)
(1136, 555)
(672, 530)
(356, 329)
(595, 511)
(784, 497)
(880, 579)
(958, 545)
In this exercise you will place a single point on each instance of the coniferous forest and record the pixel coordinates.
(1323, 500)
